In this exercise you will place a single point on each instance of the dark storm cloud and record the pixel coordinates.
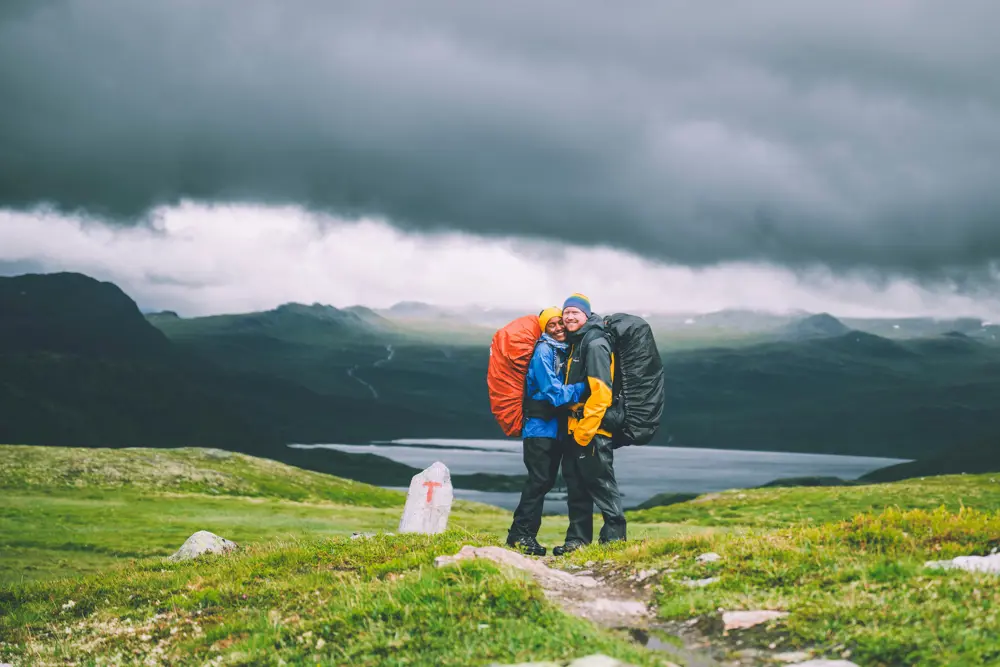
(859, 133)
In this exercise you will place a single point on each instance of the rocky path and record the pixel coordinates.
(621, 600)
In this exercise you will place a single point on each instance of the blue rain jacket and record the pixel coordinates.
(545, 383)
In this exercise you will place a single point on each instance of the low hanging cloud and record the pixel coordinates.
(201, 260)
(855, 135)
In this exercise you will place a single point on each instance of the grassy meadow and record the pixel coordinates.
(83, 533)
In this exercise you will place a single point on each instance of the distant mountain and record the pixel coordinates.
(69, 313)
(370, 316)
(745, 320)
(80, 365)
(426, 317)
(313, 374)
(414, 310)
(914, 327)
(161, 316)
(822, 325)
(290, 320)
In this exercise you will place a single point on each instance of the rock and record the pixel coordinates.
(578, 594)
(428, 502)
(699, 583)
(990, 564)
(203, 542)
(710, 557)
(792, 656)
(825, 663)
(363, 536)
(606, 606)
(642, 575)
(598, 660)
(545, 575)
(741, 620)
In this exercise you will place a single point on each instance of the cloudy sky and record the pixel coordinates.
(216, 156)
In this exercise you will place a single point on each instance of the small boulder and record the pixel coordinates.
(428, 501)
(990, 564)
(792, 656)
(710, 557)
(741, 620)
(598, 660)
(699, 583)
(203, 542)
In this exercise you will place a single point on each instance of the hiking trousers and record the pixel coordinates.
(589, 473)
(541, 458)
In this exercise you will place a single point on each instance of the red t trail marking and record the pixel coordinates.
(430, 489)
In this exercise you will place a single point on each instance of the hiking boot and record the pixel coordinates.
(526, 545)
(564, 549)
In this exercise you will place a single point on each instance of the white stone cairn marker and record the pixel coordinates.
(428, 502)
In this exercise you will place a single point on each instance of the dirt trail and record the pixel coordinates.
(621, 599)
(590, 597)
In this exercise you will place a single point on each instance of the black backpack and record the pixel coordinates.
(638, 382)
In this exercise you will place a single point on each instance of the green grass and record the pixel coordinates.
(847, 563)
(330, 602)
(190, 470)
(778, 507)
(68, 511)
(855, 587)
(68, 533)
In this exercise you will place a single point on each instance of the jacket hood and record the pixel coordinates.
(593, 322)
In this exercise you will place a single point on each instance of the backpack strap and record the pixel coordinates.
(534, 408)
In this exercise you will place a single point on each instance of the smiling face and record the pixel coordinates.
(556, 329)
(574, 319)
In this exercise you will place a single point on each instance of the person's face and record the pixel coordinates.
(573, 319)
(556, 329)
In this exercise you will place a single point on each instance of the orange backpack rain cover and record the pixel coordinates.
(510, 355)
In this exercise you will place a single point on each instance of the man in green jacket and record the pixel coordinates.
(588, 457)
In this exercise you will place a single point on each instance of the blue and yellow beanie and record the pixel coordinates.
(578, 301)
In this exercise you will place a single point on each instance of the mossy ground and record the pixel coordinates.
(847, 563)
(332, 602)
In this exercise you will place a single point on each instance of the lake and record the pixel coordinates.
(642, 472)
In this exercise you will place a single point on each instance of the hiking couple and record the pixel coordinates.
(569, 417)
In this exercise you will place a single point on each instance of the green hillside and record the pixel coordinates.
(811, 387)
(255, 382)
(83, 533)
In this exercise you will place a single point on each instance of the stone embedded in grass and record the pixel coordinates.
(546, 576)
(428, 502)
(741, 620)
(203, 542)
(699, 583)
(710, 557)
(596, 660)
(792, 656)
(990, 564)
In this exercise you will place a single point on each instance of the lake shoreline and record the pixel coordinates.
(491, 471)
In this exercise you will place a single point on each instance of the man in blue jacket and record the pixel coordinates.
(545, 393)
